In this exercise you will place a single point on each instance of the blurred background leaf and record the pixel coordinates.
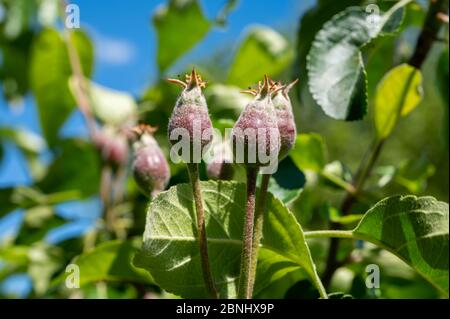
(49, 75)
(180, 24)
(263, 51)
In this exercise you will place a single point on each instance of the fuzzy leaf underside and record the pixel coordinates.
(416, 230)
(170, 250)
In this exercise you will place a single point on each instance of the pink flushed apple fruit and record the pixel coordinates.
(150, 168)
(256, 128)
(190, 114)
(285, 118)
(113, 146)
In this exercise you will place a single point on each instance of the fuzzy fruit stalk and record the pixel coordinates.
(191, 126)
(221, 165)
(255, 137)
(288, 133)
(150, 168)
(285, 118)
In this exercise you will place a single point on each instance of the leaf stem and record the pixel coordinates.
(77, 72)
(258, 227)
(429, 32)
(245, 282)
(336, 180)
(363, 172)
(329, 234)
(201, 229)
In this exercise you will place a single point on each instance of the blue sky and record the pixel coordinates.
(125, 46)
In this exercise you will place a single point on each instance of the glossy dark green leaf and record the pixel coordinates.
(310, 23)
(336, 73)
(287, 182)
(416, 230)
(49, 74)
(180, 24)
(170, 250)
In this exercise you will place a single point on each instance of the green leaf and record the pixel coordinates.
(335, 174)
(39, 260)
(38, 216)
(443, 83)
(443, 75)
(225, 11)
(6, 198)
(335, 215)
(283, 194)
(413, 174)
(29, 142)
(64, 173)
(339, 295)
(179, 26)
(226, 101)
(381, 55)
(44, 262)
(413, 228)
(309, 152)
(14, 258)
(288, 181)
(49, 74)
(337, 78)
(398, 93)
(14, 254)
(310, 23)
(48, 12)
(263, 51)
(17, 16)
(14, 67)
(109, 261)
(170, 249)
(108, 105)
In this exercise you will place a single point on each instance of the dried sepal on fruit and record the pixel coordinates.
(150, 168)
(190, 119)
